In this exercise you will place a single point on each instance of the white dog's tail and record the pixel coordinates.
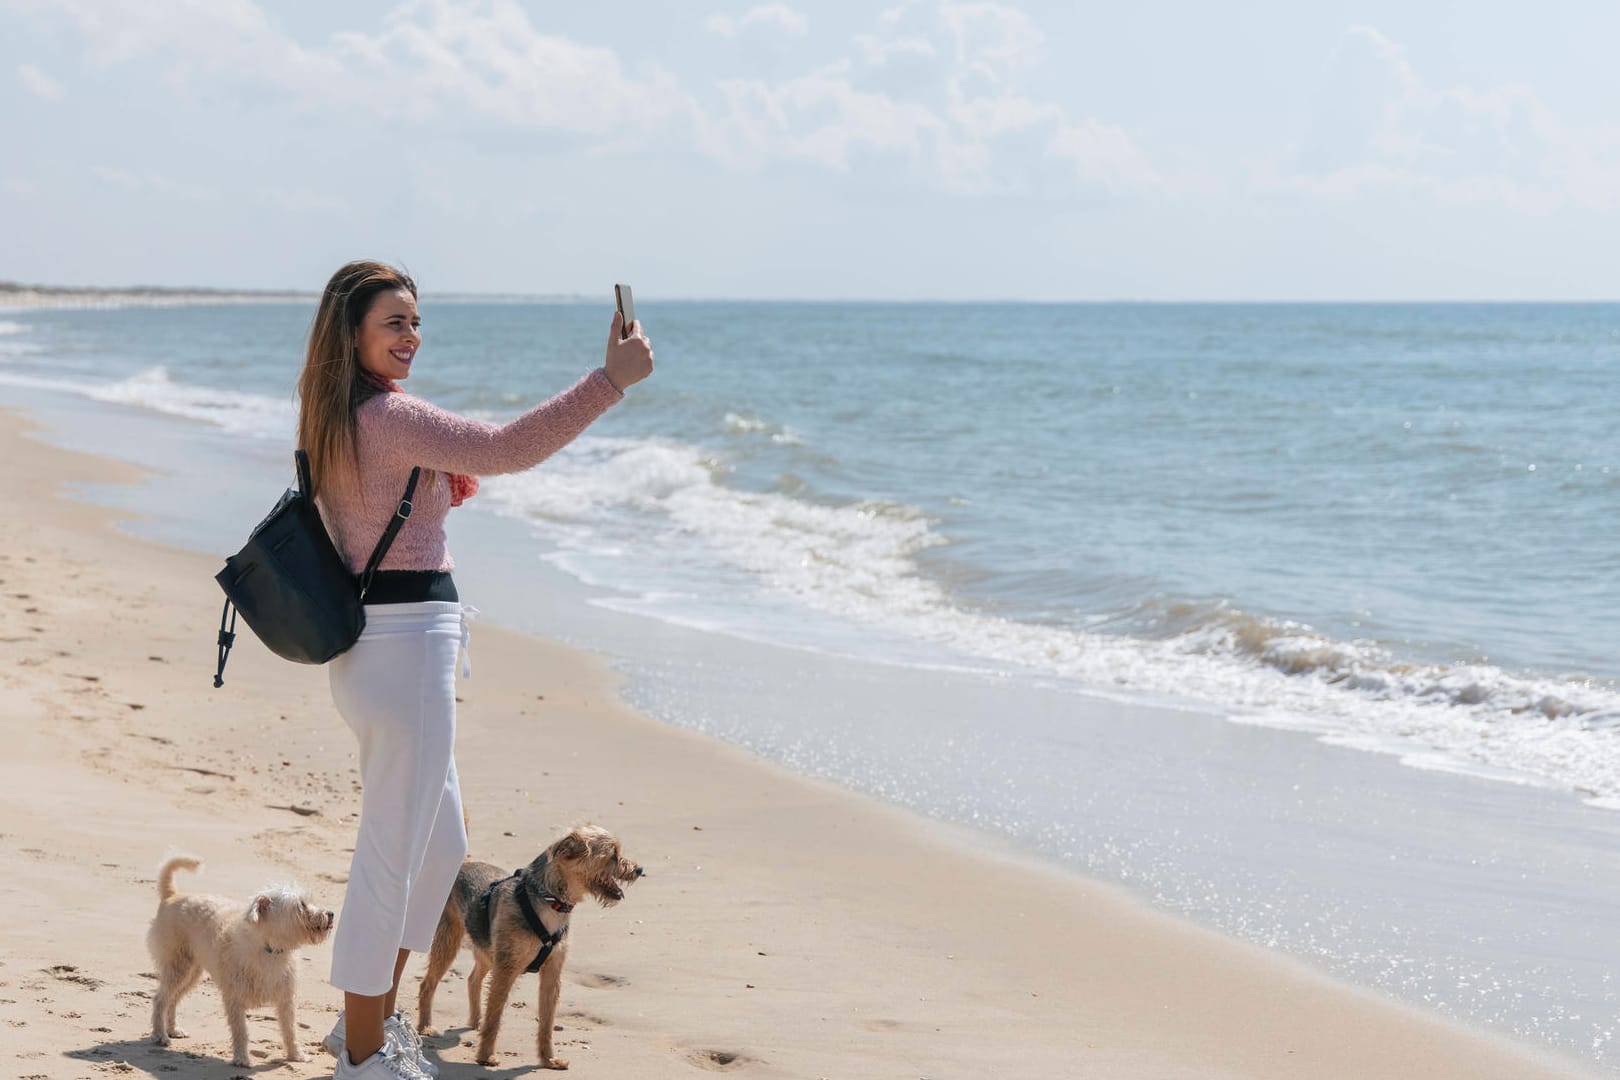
(166, 887)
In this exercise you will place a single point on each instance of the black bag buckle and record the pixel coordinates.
(405, 508)
(227, 638)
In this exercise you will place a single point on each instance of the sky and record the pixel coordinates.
(930, 150)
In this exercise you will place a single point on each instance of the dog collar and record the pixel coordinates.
(555, 903)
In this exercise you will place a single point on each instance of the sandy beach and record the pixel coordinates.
(786, 928)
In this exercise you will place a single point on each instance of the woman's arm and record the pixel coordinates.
(410, 430)
(406, 428)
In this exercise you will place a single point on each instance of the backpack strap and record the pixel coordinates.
(395, 523)
(305, 484)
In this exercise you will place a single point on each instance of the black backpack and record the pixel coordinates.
(291, 585)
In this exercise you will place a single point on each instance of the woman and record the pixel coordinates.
(396, 687)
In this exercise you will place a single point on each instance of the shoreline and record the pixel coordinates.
(47, 297)
(855, 955)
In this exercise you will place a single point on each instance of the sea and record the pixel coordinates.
(1107, 582)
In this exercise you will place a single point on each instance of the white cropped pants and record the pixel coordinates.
(396, 689)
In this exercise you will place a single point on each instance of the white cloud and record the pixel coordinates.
(433, 60)
(222, 33)
(992, 41)
(773, 16)
(876, 51)
(934, 83)
(819, 118)
(1106, 156)
(1382, 128)
(932, 88)
(497, 65)
(39, 84)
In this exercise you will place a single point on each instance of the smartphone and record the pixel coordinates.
(627, 308)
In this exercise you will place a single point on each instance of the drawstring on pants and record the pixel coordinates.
(468, 614)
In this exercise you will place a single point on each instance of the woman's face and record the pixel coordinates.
(389, 335)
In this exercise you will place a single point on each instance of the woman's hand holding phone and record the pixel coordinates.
(629, 359)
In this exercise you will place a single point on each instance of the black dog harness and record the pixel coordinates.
(548, 940)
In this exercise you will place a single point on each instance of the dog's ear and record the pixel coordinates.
(572, 846)
(260, 908)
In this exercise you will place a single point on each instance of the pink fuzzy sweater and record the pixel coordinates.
(398, 432)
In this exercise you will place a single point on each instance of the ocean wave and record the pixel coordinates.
(740, 424)
(858, 561)
(237, 412)
(848, 555)
(11, 327)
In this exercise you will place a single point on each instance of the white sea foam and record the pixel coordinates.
(858, 562)
(42, 382)
(237, 412)
(739, 424)
(7, 327)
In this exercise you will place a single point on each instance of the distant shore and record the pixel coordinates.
(17, 295)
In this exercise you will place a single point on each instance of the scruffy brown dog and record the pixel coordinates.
(518, 924)
(247, 952)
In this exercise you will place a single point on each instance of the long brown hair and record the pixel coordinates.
(333, 385)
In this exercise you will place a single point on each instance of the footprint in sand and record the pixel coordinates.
(718, 1060)
(882, 1025)
(585, 1020)
(70, 974)
(601, 982)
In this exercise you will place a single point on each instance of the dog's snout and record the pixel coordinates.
(641, 872)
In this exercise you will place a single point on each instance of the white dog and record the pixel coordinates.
(248, 953)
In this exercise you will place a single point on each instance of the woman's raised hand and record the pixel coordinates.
(629, 360)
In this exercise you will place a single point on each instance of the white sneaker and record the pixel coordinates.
(334, 1038)
(392, 1062)
(397, 1027)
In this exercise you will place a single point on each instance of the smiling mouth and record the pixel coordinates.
(402, 357)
